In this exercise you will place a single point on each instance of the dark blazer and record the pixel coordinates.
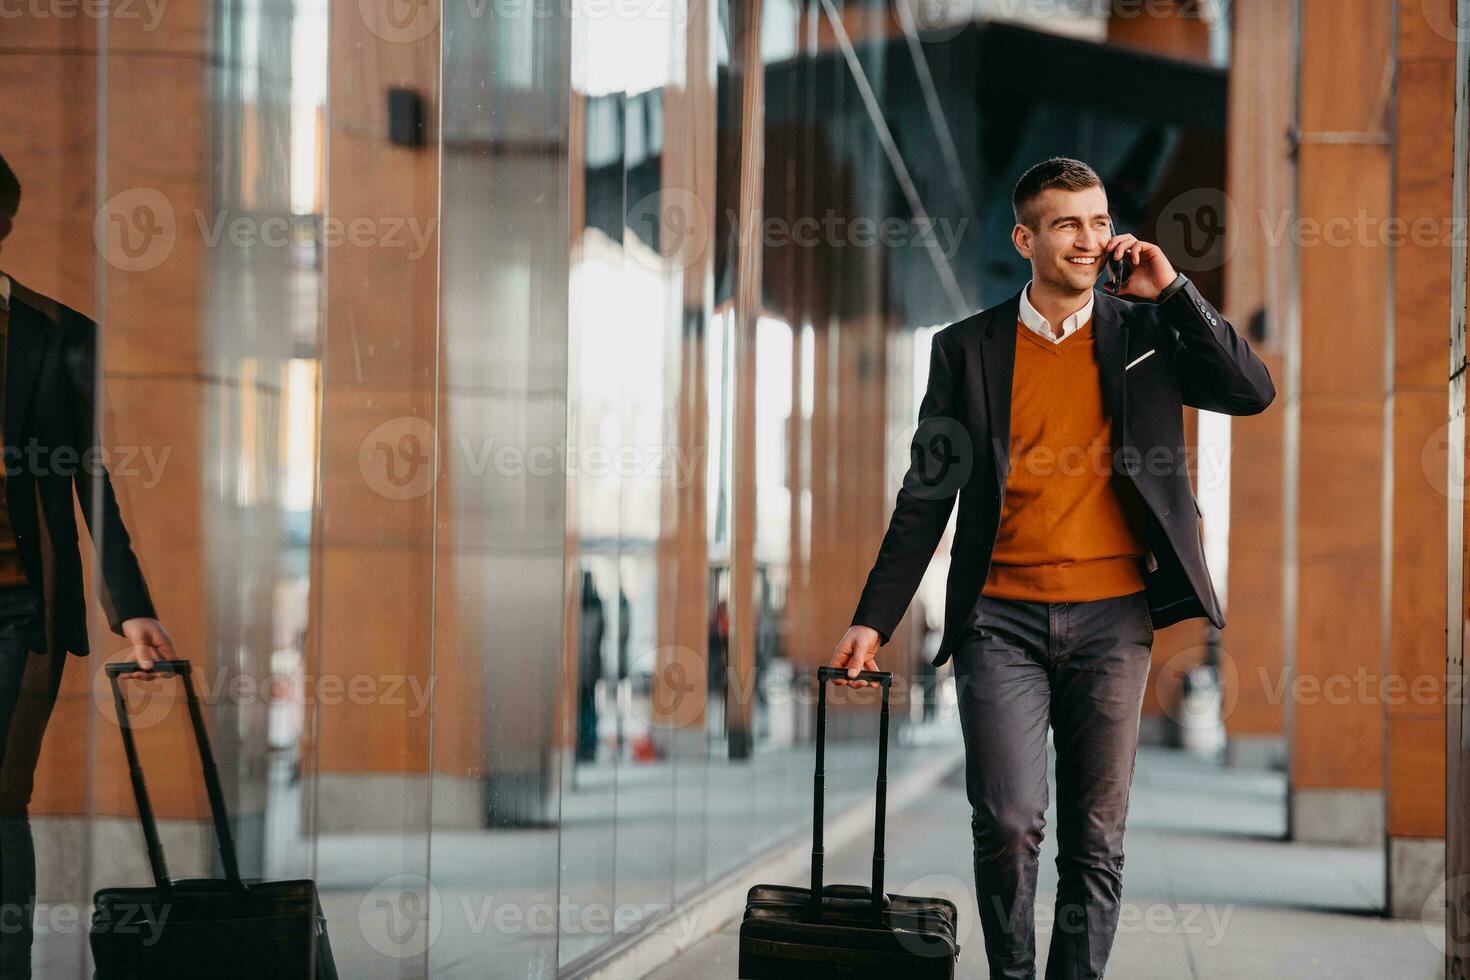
(49, 427)
(961, 450)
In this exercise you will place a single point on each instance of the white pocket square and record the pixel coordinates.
(1140, 357)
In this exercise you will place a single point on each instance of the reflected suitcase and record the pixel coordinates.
(854, 932)
(203, 927)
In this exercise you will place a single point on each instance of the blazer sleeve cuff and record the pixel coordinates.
(883, 634)
(1173, 289)
(136, 607)
(1189, 313)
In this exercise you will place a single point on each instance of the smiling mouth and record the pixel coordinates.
(1083, 260)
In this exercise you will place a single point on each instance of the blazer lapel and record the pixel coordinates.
(998, 364)
(1110, 341)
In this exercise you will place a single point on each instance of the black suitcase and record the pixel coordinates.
(203, 927)
(854, 932)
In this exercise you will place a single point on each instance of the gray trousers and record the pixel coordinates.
(1082, 668)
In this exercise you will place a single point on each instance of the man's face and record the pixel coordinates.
(1066, 246)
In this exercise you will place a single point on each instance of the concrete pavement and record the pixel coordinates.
(1211, 888)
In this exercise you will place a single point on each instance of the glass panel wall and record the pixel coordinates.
(485, 427)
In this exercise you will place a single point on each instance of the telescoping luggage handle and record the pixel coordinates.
(156, 860)
(884, 679)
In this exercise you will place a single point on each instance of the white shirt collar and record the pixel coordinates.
(1038, 323)
(4, 291)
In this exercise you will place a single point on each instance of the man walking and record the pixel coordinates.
(1055, 419)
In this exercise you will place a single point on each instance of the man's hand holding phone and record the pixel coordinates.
(1145, 270)
(855, 652)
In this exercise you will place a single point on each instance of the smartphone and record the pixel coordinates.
(1118, 269)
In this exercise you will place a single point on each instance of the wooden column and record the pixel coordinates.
(1413, 696)
(1258, 283)
(746, 50)
(1336, 521)
(373, 568)
(680, 697)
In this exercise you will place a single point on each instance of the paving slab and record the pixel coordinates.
(1212, 889)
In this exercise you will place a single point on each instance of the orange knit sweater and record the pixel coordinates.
(1071, 529)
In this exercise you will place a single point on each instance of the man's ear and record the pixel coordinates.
(1021, 238)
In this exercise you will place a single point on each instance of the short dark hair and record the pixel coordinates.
(9, 190)
(1059, 172)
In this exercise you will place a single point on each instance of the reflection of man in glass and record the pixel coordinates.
(47, 401)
